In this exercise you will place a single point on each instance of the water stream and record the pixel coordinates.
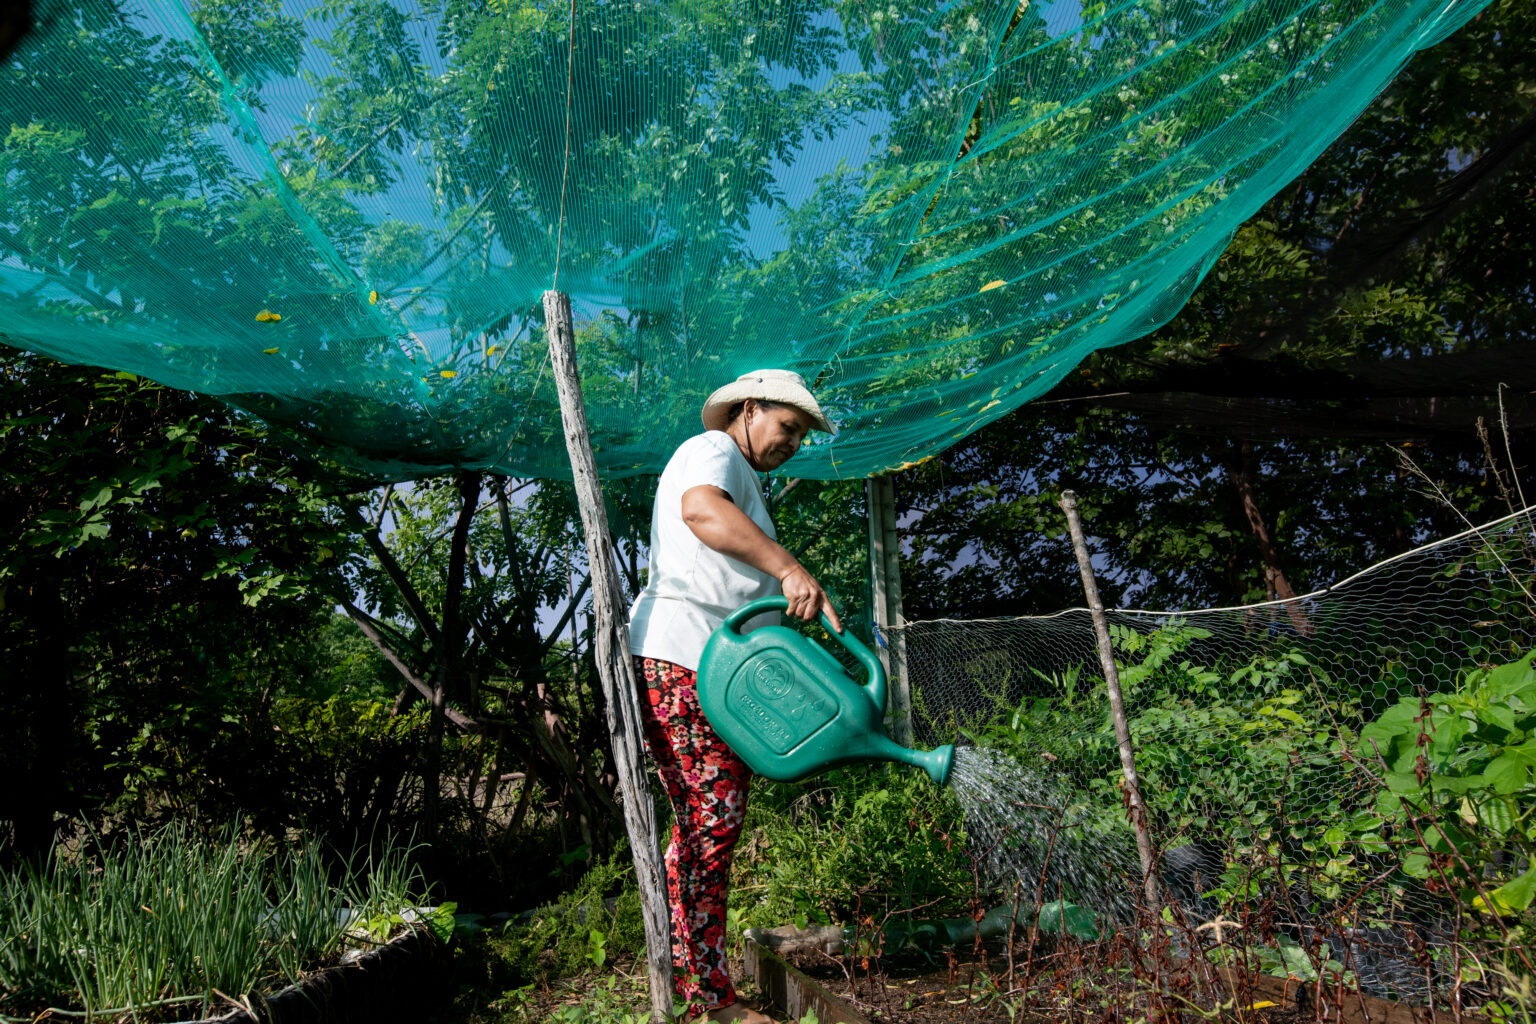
(1038, 840)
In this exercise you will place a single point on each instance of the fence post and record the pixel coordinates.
(1134, 805)
(615, 667)
(885, 600)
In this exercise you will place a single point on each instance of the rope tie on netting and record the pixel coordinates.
(565, 169)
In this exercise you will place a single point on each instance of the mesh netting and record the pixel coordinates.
(341, 215)
(1274, 743)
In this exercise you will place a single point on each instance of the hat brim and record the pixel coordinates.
(717, 407)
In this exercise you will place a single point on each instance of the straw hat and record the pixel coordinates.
(783, 386)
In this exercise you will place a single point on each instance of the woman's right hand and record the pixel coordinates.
(806, 598)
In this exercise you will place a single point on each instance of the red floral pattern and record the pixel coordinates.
(707, 784)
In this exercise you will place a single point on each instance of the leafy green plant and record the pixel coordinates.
(1460, 767)
(590, 926)
(613, 1000)
(857, 840)
(597, 947)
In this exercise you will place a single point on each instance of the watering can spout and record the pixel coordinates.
(790, 710)
(936, 762)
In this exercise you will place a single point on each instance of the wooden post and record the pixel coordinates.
(885, 601)
(1134, 805)
(615, 667)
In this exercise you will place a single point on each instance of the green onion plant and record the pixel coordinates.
(161, 918)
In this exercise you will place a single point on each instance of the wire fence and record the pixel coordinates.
(1350, 771)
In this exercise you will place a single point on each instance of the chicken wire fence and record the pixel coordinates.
(1351, 769)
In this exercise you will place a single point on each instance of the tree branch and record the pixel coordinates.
(1373, 256)
(397, 576)
(1477, 373)
(1394, 420)
(567, 615)
(366, 623)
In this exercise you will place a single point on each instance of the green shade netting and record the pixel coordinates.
(341, 216)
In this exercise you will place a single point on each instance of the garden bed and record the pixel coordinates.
(175, 925)
(971, 985)
(402, 980)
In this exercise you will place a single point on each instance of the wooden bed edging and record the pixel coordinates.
(402, 981)
(792, 991)
(1353, 1008)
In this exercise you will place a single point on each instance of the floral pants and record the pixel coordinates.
(707, 784)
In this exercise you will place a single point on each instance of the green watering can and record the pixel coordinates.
(790, 710)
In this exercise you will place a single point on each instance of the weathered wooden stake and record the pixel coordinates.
(614, 666)
(1134, 805)
(885, 575)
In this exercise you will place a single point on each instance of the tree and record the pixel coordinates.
(475, 590)
(1356, 336)
(150, 530)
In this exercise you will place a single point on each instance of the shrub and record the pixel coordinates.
(858, 841)
(586, 928)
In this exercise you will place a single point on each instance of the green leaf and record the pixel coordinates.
(1456, 783)
(1448, 736)
(1511, 897)
(1296, 961)
(1372, 843)
(441, 921)
(95, 497)
(1500, 715)
(1511, 770)
(1505, 680)
(1498, 816)
(1388, 732)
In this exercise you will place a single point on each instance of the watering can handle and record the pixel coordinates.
(875, 687)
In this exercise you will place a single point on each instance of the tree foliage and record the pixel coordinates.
(148, 525)
(1334, 392)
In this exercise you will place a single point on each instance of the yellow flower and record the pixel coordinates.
(449, 373)
(373, 298)
(992, 284)
(266, 316)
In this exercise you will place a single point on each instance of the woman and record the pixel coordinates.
(713, 550)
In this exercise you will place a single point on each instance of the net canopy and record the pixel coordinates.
(341, 215)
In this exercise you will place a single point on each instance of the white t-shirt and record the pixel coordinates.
(692, 587)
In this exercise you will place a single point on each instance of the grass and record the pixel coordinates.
(156, 922)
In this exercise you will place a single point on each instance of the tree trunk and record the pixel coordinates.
(448, 653)
(1242, 467)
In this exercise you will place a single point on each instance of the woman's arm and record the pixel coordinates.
(719, 524)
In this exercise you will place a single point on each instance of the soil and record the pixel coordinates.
(964, 985)
(913, 989)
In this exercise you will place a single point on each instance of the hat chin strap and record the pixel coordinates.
(746, 429)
